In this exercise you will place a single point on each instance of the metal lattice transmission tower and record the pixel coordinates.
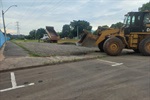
(18, 28)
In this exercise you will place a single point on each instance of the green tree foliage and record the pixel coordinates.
(78, 26)
(117, 25)
(59, 33)
(65, 31)
(36, 34)
(105, 26)
(40, 32)
(145, 7)
(100, 28)
(32, 34)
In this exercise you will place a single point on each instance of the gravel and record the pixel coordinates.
(51, 49)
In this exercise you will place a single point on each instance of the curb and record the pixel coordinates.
(53, 63)
(2, 57)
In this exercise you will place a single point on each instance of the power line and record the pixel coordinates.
(51, 9)
(43, 9)
(27, 10)
(18, 29)
(1, 3)
(0, 14)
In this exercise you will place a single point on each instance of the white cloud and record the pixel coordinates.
(33, 14)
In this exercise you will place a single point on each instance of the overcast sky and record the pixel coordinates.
(34, 14)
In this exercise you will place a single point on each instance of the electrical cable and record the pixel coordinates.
(49, 8)
(27, 10)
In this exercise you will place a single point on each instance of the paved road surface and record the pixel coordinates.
(12, 50)
(125, 77)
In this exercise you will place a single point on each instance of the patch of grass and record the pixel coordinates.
(61, 41)
(32, 54)
(17, 41)
(68, 41)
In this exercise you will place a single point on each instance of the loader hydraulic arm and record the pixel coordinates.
(106, 33)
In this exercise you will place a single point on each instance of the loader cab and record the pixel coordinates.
(136, 22)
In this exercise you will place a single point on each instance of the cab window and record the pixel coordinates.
(128, 20)
(133, 20)
(147, 18)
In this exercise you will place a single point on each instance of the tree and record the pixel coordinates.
(40, 32)
(32, 34)
(105, 26)
(145, 7)
(36, 34)
(78, 26)
(100, 28)
(117, 25)
(65, 31)
(59, 33)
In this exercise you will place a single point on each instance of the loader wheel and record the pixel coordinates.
(100, 46)
(113, 46)
(144, 46)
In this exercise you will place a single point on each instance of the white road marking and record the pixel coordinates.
(112, 63)
(13, 79)
(107, 61)
(14, 84)
(20, 86)
(117, 64)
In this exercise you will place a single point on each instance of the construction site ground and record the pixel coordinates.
(40, 54)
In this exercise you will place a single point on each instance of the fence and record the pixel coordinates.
(2, 39)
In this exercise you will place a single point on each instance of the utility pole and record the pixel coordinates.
(3, 13)
(77, 32)
(4, 25)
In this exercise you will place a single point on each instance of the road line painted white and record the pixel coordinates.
(13, 79)
(117, 64)
(107, 61)
(21, 86)
(112, 63)
(14, 84)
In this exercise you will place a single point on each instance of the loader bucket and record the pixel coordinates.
(88, 39)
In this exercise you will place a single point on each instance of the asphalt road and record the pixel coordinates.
(12, 50)
(125, 77)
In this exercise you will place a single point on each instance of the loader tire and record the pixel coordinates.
(113, 46)
(144, 46)
(100, 46)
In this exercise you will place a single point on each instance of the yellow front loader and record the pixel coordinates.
(135, 34)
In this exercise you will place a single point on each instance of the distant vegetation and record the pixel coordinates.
(75, 28)
(36, 34)
(72, 30)
(145, 7)
(33, 35)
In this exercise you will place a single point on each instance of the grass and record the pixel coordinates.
(17, 41)
(61, 41)
(68, 41)
(32, 54)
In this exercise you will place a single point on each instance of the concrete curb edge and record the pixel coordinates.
(47, 64)
(2, 57)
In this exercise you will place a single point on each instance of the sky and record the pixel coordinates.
(34, 14)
